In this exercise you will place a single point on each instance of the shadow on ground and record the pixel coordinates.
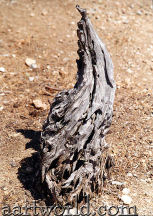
(29, 172)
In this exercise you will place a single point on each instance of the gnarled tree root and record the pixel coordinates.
(74, 151)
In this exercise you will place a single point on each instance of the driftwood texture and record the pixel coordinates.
(74, 151)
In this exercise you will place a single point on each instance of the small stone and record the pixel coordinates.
(97, 17)
(139, 13)
(118, 183)
(143, 180)
(125, 21)
(48, 67)
(126, 199)
(129, 174)
(1, 108)
(55, 73)
(2, 69)
(32, 14)
(39, 104)
(15, 134)
(102, 28)
(128, 81)
(66, 59)
(6, 55)
(149, 180)
(61, 52)
(131, 6)
(31, 79)
(4, 188)
(60, 41)
(30, 62)
(126, 191)
(2, 94)
(34, 66)
(13, 55)
(129, 70)
(44, 12)
(13, 164)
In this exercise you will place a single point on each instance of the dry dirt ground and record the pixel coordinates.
(45, 30)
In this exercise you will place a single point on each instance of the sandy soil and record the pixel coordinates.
(45, 30)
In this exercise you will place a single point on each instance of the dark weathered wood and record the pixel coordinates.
(74, 151)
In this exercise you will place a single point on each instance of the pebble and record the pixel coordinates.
(48, 67)
(34, 66)
(4, 188)
(1, 108)
(143, 180)
(139, 13)
(128, 81)
(126, 199)
(32, 14)
(30, 62)
(126, 191)
(6, 55)
(31, 79)
(118, 183)
(13, 164)
(60, 41)
(125, 21)
(61, 52)
(72, 23)
(97, 17)
(44, 12)
(149, 180)
(102, 28)
(39, 104)
(2, 69)
(129, 174)
(66, 59)
(2, 94)
(55, 73)
(131, 6)
(15, 134)
(129, 70)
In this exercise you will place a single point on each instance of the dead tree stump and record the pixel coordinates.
(74, 151)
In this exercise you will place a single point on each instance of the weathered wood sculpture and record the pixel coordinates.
(74, 151)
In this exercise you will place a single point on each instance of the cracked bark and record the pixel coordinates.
(74, 152)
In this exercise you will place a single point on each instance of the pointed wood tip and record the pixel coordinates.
(82, 11)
